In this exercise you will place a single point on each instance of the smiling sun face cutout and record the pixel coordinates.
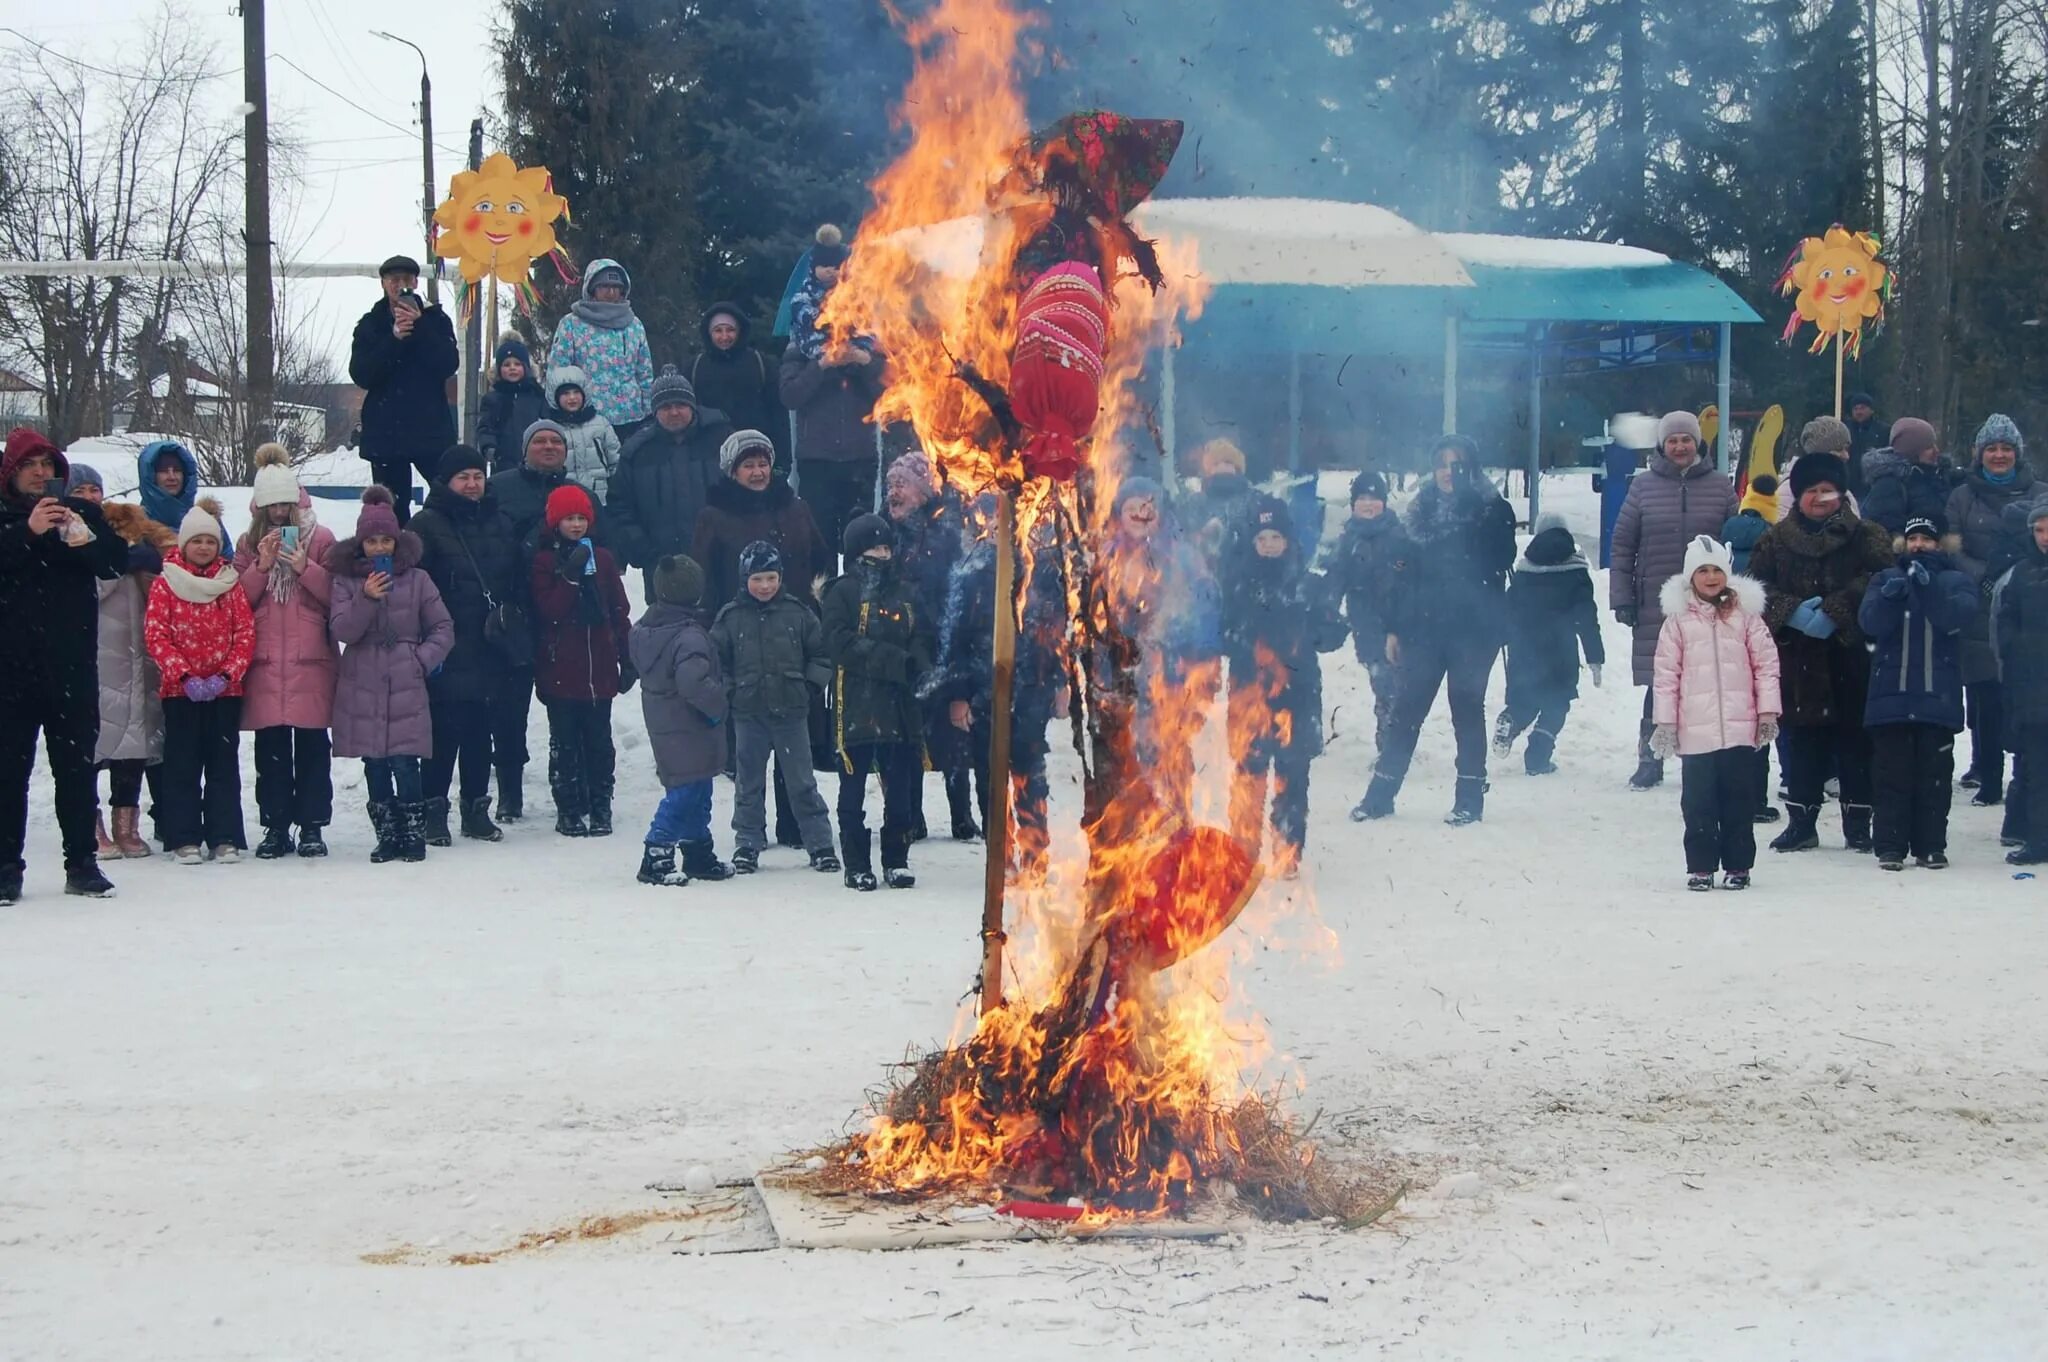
(498, 220)
(1841, 286)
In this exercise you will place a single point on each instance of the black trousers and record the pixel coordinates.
(393, 780)
(70, 732)
(1029, 790)
(294, 777)
(1460, 666)
(1285, 769)
(1912, 770)
(511, 707)
(1813, 752)
(1717, 794)
(396, 474)
(200, 780)
(1987, 734)
(900, 765)
(581, 760)
(124, 782)
(462, 737)
(836, 492)
(2031, 823)
(1547, 718)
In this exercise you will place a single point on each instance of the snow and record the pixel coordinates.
(1803, 1121)
(1544, 253)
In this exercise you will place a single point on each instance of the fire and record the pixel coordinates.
(1116, 1072)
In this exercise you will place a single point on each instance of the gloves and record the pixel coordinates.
(1628, 615)
(201, 689)
(144, 558)
(1894, 588)
(1809, 619)
(1917, 570)
(628, 678)
(1594, 667)
(579, 561)
(1664, 741)
(1766, 730)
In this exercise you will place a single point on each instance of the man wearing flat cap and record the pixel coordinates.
(403, 355)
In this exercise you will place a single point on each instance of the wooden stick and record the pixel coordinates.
(1004, 672)
(1838, 373)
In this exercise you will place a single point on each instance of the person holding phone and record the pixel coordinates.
(402, 357)
(288, 695)
(49, 669)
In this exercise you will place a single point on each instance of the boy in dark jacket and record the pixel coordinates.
(1277, 616)
(682, 697)
(1914, 615)
(772, 652)
(1551, 617)
(880, 649)
(514, 402)
(1368, 555)
(584, 620)
(2022, 635)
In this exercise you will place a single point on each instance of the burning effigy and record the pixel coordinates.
(1104, 1076)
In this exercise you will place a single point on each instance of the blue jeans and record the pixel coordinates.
(684, 815)
(390, 778)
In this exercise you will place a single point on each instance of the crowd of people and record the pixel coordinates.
(811, 609)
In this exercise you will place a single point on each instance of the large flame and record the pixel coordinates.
(1115, 1069)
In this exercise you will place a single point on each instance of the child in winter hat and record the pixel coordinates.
(683, 700)
(1715, 702)
(1552, 619)
(583, 661)
(199, 632)
(593, 443)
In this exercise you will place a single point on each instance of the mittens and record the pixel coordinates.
(628, 678)
(1917, 570)
(201, 689)
(1664, 741)
(1810, 620)
(1766, 730)
(1628, 615)
(1893, 588)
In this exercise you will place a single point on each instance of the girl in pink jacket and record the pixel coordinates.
(1715, 704)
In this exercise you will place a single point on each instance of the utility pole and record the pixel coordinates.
(473, 330)
(426, 165)
(258, 300)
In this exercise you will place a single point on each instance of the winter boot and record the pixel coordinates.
(862, 880)
(188, 855)
(1856, 827)
(511, 795)
(960, 803)
(570, 824)
(128, 834)
(10, 885)
(1933, 860)
(1470, 804)
(700, 861)
(860, 865)
(1970, 779)
(1799, 833)
(311, 846)
(1504, 733)
(2028, 853)
(1699, 884)
(85, 881)
(1767, 814)
(658, 866)
(104, 843)
(825, 861)
(276, 844)
(1649, 768)
(412, 832)
(1536, 757)
(476, 820)
(384, 820)
(437, 833)
(745, 861)
(601, 816)
(1735, 879)
(899, 877)
(1378, 801)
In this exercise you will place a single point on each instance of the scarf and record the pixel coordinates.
(284, 583)
(188, 585)
(2005, 479)
(605, 316)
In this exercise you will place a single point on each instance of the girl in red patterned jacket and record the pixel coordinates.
(199, 632)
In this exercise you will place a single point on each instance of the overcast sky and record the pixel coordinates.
(359, 199)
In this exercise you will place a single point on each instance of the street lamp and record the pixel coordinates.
(426, 162)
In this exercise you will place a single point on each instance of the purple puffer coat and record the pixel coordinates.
(389, 648)
(291, 681)
(1666, 510)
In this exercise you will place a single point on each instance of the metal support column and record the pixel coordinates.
(1723, 395)
(1450, 373)
(1294, 411)
(1535, 424)
(1168, 427)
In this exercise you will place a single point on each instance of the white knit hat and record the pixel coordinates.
(203, 518)
(276, 484)
(1707, 551)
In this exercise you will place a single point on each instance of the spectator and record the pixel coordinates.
(514, 402)
(593, 444)
(1908, 480)
(663, 476)
(402, 357)
(1866, 433)
(1823, 435)
(2023, 649)
(927, 523)
(602, 337)
(1551, 618)
(730, 376)
(682, 698)
(1998, 479)
(584, 663)
(167, 483)
(1222, 508)
(1369, 555)
(832, 387)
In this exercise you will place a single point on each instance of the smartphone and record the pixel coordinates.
(54, 487)
(412, 300)
(381, 562)
(289, 537)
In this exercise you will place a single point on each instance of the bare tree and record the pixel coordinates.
(116, 161)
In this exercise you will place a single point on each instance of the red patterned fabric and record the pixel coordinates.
(1056, 368)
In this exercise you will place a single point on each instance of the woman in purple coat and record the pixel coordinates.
(395, 632)
(1680, 497)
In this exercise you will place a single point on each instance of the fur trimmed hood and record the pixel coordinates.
(1676, 595)
(134, 526)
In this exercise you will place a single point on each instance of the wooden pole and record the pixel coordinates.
(1004, 652)
(1838, 373)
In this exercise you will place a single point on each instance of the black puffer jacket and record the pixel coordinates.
(406, 414)
(741, 382)
(2023, 639)
(881, 650)
(49, 601)
(1977, 523)
(734, 517)
(1902, 489)
(471, 550)
(1551, 617)
(659, 487)
(1463, 544)
(1824, 681)
(502, 418)
(1368, 560)
(832, 404)
(1277, 616)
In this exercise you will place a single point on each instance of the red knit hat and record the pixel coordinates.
(568, 500)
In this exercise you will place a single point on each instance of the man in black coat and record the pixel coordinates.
(731, 376)
(402, 358)
(471, 551)
(1446, 622)
(664, 472)
(53, 552)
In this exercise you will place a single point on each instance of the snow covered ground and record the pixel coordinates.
(1803, 1122)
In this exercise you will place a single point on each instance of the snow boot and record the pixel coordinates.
(1536, 757)
(1856, 827)
(1767, 814)
(862, 880)
(1799, 834)
(601, 816)
(511, 794)
(276, 844)
(658, 866)
(128, 834)
(1887, 861)
(1987, 797)
(384, 821)
(1735, 879)
(700, 861)
(1699, 884)
(412, 831)
(825, 861)
(860, 865)
(745, 861)
(476, 820)
(104, 843)
(1503, 733)
(188, 856)
(2029, 853)
(310, 845)
(1970, 779)
(436, 830)
(1649, 767)
(570, 825)
(1933, 860)
(85, 881)
(1470, 804)
(10, 886)
(899, 877)
(227, 853)
(1378, 801)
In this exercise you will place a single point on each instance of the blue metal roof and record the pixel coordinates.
(1671, 293)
